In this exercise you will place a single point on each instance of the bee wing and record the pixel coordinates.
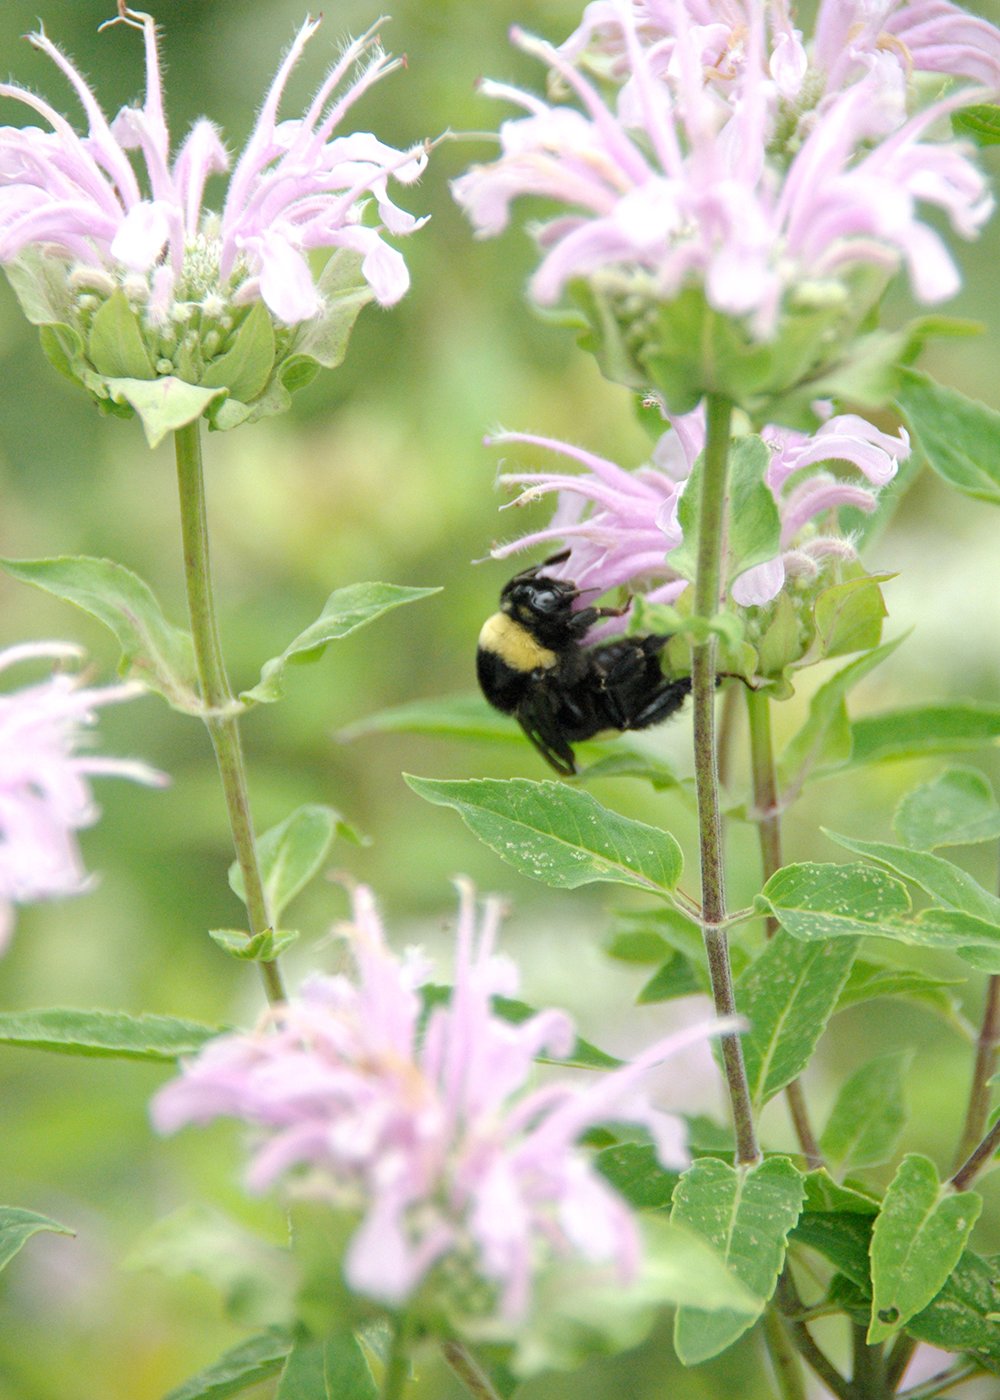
(538, 720)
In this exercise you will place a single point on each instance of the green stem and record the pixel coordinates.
(784, 1360)
(900, 1355)
(468, 1371)
(787, 1299)
(977, 1159)
(869, 1378)
(768, 817)
(707, 598)
(943, 1383)
(397, 1365)
(983, 1071)
(220, 709)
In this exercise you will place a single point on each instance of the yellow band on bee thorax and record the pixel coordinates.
(514, 644)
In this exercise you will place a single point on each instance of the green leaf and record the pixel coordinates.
(981, 122)
(957, 435)
(115, 346)
(560, 836)
(649, 935)
(843, 1237)
(745, 1213)
(246, 1364)
(949, 884)
(918, 1239)
(754, 522)
(755, 526)
(833, 901)
(963, 1316)
(17, 1227)
(582, 1056)
(957, 808)
(153, 650)
(870, 980)
(344, 292)
(290, 854)
(678, 977)
(815, 902)
(164, 404)
(849, 615)
(924, 729)
(580, 1309)
(824, 740)
(636, 1174)
(256, 1279)
(344, 612)
(334, 1369)
(246, 366)
(824, 1195)
(868, 1116)
(788, 994)
(452, 717)
(111, 1034)
(261, 947)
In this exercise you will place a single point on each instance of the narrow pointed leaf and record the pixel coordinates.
(746, 1214)
(17, 1227)
(344, 612)
(291, 853)
(919, 1236)
(957, 808)
(678, 977)
(111, 1034)
(868, 1116)
(825, 1195)
(871, 980)
(334, 1369)
(787, 995)
(849, 615)
(949, 884)
(560, 836)
(924, 729)
(153, 650)
(115, 345)
(957, 435)
(824, 741)
(980, 121)
(246, 1364)
(451, 717)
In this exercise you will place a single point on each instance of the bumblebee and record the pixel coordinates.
(532, 663)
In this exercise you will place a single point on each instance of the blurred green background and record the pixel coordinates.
(377, 473)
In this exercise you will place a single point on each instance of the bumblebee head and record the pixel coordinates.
(538, 601)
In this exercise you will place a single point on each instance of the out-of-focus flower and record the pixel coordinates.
(434, 1136)
(80, 230)
(45, 796)
(621, 526)
(700, 174)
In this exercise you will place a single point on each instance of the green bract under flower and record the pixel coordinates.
(158, 306)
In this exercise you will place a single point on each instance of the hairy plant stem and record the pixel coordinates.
(220, 710)
(707, 596)
(768, 815)
(787, 1299)
(468, 1371)
(983, 1071)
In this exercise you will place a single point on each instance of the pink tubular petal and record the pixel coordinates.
(142, 235)
(286, 283)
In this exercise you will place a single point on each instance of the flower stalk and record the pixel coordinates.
(707, 595)
(768, 814)
(220, 709)
(468, 1371)
(984, 1068)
